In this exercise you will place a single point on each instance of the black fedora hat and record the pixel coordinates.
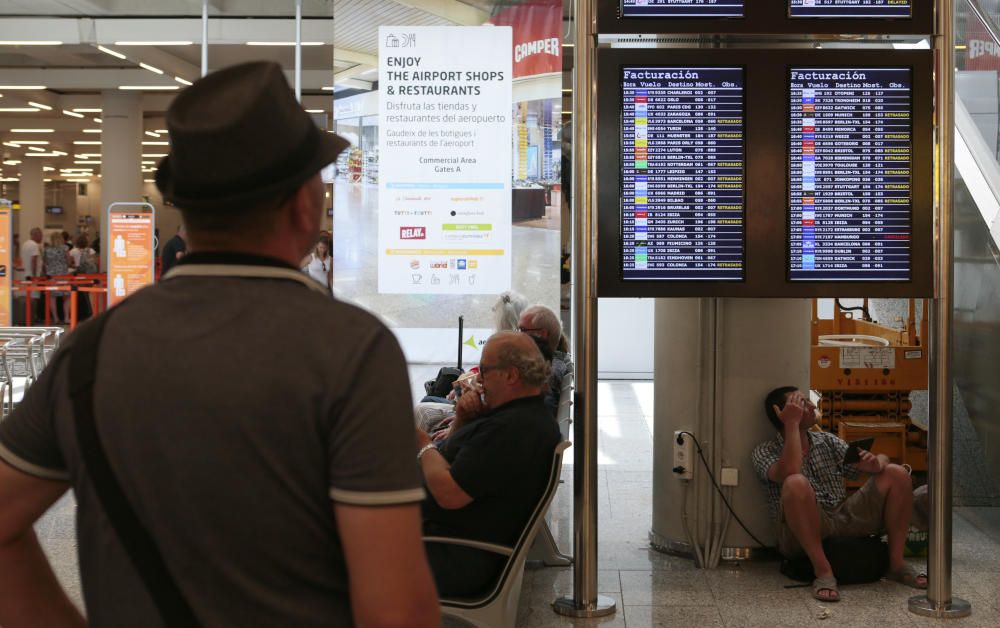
(238, 136)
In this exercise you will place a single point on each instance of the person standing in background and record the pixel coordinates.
(319, 264)
(174, 250)
(31, 254)
(83, 258)
(15, 257)
(31, 260)
(83, 261)
(56, 262)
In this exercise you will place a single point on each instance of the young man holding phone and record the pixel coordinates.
(803, 473)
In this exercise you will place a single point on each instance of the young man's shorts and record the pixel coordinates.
(861, 514)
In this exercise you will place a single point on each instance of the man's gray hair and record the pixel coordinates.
(541, 317)
(526, 357)
(507, 311)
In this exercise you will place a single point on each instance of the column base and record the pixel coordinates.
(957, 608)
(566, 606)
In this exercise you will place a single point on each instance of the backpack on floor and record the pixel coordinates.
(856, 560)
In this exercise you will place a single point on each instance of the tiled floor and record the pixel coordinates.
(653, 589)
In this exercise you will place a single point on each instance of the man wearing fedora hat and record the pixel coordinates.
(229, 469)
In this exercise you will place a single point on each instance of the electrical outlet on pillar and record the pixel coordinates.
(683, 455)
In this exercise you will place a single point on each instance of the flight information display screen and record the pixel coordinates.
(851, 8)
(682, 8)
(850, 159)
(682, 173)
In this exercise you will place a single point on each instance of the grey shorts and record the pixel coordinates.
(861, 514)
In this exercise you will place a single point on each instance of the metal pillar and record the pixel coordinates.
(938, 602)
(585, 601)
(298, 50)
(204, 37)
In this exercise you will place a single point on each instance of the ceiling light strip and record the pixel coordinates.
(283, 43)
(112, 52)
(154, 43)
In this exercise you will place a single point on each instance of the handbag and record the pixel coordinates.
(135, 539)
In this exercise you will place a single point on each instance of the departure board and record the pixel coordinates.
(682, 8)
(851, 153)
(682, 173)
(851, 8)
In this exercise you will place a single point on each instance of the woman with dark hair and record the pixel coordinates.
(83, 258)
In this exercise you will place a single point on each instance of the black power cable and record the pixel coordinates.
(718, 489)
(862, 308)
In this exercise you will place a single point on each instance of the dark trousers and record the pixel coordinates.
(463, 571)
(37, 311)
(83, 308)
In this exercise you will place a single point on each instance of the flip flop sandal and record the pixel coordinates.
(826, 584)
(907, 576)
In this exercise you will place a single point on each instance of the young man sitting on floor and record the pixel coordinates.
(803, 473)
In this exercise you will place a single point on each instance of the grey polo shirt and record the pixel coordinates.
(235, 402)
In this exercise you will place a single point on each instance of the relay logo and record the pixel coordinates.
(413, 233)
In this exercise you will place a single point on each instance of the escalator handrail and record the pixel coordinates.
(985, 19)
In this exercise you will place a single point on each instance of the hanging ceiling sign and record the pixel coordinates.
(537, 36)
(981, 52)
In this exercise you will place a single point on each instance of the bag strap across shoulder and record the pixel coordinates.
(138, 544)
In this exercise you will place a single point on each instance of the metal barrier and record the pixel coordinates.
(24, 353)
(70, 284)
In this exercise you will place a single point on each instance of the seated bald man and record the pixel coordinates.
(485, 480)
(803, 473)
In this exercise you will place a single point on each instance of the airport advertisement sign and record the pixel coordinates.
(445, 160)
(130, 254)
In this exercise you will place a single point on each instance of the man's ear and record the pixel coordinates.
(300, 207)
(514, 375)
